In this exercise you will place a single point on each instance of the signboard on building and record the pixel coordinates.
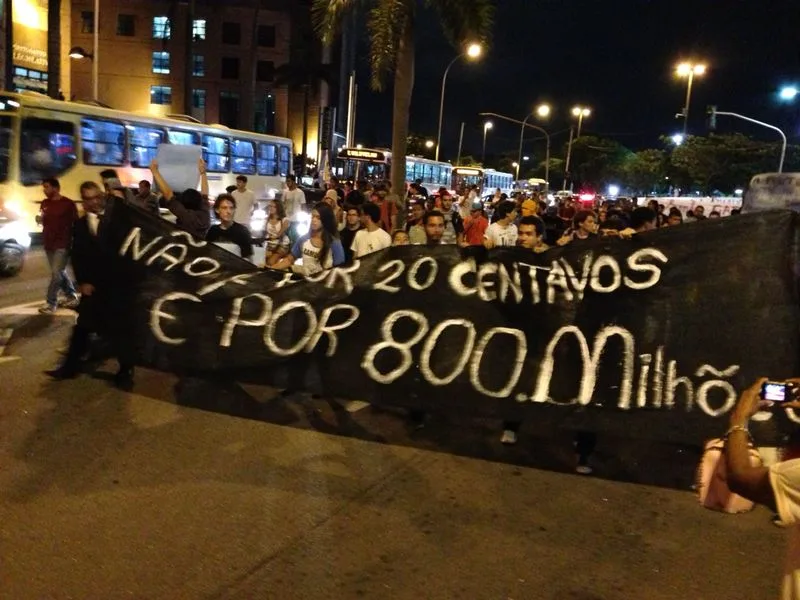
(30, 44)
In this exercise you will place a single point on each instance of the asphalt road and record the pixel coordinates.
(217, 491)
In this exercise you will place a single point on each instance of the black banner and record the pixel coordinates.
(653, 336)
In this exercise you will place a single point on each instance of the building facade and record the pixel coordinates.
(234, 51)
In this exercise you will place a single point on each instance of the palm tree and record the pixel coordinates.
(391, 26)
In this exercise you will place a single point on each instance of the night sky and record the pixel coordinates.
(616, 56)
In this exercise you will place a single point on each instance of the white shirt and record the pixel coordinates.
(244, 206)
(293, 202)
(366, 242)
(785, 480)
(502, 236)
(93, 221)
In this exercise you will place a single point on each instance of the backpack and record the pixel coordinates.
(712, 482)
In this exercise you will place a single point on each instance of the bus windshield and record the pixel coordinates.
(467, 178)
(367, 171)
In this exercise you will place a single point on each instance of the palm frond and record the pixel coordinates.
(465, 20)
(326, 15)
(385, 23)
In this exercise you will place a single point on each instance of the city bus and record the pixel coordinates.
(74, 142)
(375, 165)
(487, 180)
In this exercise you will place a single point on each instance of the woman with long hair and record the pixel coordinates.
(320, 248)
(277, 241)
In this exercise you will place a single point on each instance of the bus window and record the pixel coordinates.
(183, 138)
(434, 174)
(284, 161)
(267, 161)
(144, 143)
(47, 149)
(215, 153)
(244, 157)
(103, 142)
(410, 171)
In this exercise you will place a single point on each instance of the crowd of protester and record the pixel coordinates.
(348, 222)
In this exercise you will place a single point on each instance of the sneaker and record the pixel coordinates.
(583, 467)
(62, 373)
(48, 310)
(509, 438)
(71, 302)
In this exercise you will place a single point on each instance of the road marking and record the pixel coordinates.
(32, 308)
(5, 336)
(353, 406)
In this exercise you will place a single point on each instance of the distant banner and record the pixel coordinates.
(653, 336)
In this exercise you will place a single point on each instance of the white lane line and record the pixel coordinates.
(32, 308)
(353, 406)
(5, 336)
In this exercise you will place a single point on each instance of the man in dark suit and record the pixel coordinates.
(95, 274)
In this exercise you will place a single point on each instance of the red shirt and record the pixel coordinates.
(58, 217)
(388, 210)
(474, 228)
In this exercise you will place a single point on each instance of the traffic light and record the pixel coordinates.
(712, 117)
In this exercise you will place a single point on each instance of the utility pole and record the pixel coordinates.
(566, 163)
(460, 142)
(8, 65)
(188, 64)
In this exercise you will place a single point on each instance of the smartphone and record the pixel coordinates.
(778, 391)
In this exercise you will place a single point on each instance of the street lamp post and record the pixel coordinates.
(79, 53)
(473, 52)
(566, 162)
(689, 70)
(486, 127)
(518, 122)
(516, 166)
(542, 111)
(580, 112)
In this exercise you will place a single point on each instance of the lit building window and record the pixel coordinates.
(160, 94)
(161, 28)
(198, 65)
(199, 29)
(199, 98)
(160, 62)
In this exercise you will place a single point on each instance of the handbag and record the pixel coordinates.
(712, 482)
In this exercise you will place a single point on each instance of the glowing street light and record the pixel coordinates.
(580, 112)
(473, 52)
(689, 70)
(486, 127)
(543, 111)
(516, 166)
(677, 139)
(789, 92)
(429, 143)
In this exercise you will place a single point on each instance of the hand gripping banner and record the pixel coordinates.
(653, 336)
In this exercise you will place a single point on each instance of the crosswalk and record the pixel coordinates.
(32, 308)
(5, 337)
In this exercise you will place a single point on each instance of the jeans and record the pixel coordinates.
(59, 280)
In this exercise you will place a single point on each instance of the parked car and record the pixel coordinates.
(14, 243)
